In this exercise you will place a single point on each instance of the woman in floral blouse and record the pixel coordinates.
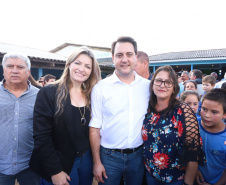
(172, 149)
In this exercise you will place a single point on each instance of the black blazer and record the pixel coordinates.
(55, 143)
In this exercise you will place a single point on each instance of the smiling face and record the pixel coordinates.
(15, 71)
(80, 69)
(161, 91)
(192, 101)
(124, 59)
(212, 114)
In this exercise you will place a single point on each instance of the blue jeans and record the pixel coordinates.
(116, 164)
(152, 181)
(25, 177)
(82, 171)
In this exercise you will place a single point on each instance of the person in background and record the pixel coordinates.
(208, 83)
(142, 65)
(215, 76)
(223, 85)
(119, 103)
(61, 152)
(184, 77)
(191, 98)
(41, 81)
(196, 76)
(213, 134)
(219, 84)
(172, 148)
(49, 79)
(17, 97)
(190, 85)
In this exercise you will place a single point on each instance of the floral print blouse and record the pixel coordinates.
(171, 140)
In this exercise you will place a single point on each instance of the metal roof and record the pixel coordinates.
(31, 53)
(213, 53)
(79, 45)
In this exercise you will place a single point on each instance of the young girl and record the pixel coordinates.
(192, 99)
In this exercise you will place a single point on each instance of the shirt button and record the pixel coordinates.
(16, 113)
(15, 151)
(15, 138)
(15, 125)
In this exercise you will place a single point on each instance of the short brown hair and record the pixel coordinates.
(48, 77)
(209, 79)
(142, 56)
(123, 40)
(218, 95)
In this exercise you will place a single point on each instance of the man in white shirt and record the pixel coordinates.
(119, 104)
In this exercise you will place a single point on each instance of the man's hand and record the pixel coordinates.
(99, 172)
(199, 178)
(61, 179)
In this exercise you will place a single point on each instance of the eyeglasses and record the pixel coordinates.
(167, 83)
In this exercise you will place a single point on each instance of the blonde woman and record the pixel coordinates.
(61, 117)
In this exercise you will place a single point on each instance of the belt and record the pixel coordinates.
(128, 150)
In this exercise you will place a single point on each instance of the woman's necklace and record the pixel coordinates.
(83, 119)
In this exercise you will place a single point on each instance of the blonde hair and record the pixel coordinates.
(64, 83)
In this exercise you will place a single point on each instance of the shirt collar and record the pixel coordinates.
(2, 85)
(115, 78)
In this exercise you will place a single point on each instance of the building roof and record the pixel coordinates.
(79, 45)
(31, 53)
(198, 54)
(68, 48)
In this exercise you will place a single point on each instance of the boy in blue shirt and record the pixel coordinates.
(213, 134)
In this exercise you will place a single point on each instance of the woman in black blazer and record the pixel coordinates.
(61, 116)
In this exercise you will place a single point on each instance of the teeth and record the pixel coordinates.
(79, 74)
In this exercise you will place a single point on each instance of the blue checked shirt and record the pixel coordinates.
(16, 129)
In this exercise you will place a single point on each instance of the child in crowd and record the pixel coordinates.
(213, 134)
(190, 85)
(192, 99)
(208, 83)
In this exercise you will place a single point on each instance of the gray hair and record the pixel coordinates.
(186, 72)
(16, 55)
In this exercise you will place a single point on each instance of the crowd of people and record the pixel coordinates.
(131, 128)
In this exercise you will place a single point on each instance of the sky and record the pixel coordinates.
(158, 26)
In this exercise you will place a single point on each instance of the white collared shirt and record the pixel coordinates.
(118, 109)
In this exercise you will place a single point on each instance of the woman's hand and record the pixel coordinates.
(61, 179)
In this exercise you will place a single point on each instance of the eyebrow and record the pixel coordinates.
(129, 52)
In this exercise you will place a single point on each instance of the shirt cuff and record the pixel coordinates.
(96, 123)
